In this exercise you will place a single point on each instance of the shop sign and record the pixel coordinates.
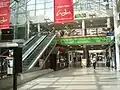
(63, 11)
(80, 15)
(84, 15)
(4, 14)
(83, 40)
(110, 34)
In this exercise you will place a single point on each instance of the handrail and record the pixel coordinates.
(47, 57)
(28, 40)
(25, 55)
(41, 52)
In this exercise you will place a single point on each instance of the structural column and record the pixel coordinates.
(110, 54)
(83, 27)
(108, 22)
(38, 27)
(28, 29)
(116, 31)
(86, 55)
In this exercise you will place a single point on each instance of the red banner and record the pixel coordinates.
(4, 14)
(63, 11)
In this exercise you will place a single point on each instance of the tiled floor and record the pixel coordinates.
(76, 79)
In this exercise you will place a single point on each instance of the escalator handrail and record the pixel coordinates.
(47, 57)
(25, 55)
(26, 47)
(28, 41)
(36, 59)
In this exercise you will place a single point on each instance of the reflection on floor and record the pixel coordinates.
(76, 79)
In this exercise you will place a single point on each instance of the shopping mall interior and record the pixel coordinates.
(53, 45)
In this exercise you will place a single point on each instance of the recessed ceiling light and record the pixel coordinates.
(91, 20)
(91, 24)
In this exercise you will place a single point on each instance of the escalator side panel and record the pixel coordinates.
(29, 40)
(48, 52)
(28, 52)
(42, 51)
(26, 47)
(34, 57)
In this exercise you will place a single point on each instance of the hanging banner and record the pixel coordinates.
(4, 14)
(63, 11)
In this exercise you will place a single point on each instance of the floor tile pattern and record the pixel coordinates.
(76, 79)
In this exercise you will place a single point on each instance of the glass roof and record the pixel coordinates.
(45, 7)
(92, 5)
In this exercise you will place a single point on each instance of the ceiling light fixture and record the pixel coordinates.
(91, 20)
(91, 24)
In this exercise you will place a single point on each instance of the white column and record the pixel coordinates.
(38, 27)
(110, 52)
(28, 29)
(83, 27)
(116, 33)
(108, 22)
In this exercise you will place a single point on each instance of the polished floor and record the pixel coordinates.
(76, 79)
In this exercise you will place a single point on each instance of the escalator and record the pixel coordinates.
(28, 44)
(28, 49)
(45, 47)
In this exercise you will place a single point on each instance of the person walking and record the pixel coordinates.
(108, 62)
(94, 62)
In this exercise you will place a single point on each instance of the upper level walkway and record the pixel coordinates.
(76, 79)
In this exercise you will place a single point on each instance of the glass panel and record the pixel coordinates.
(21, 18)
(40, 6)
(50, 13)
(49, 5)
(31, 7)
(40, 1)
(31, 13)
(39, 12)
(32, 2)
(49, 0)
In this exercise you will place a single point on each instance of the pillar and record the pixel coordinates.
(38, 25)
(86, 55)
(116, 31)
(110, 54)
(108, 22)
(28, 29)
(83, 27)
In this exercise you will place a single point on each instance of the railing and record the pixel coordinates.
(32, 48)
(33, 58)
